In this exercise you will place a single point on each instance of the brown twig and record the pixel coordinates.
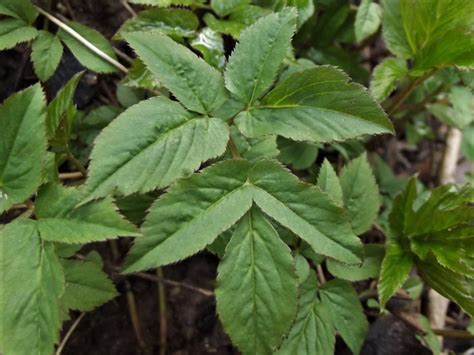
(162, 303)
(69, 333)
(131, 303)
(202, 291)
(74, 175)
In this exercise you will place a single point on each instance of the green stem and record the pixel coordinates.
(403, 94)
(233, 149)
(76, 162)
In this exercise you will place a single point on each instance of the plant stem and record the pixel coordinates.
(162, 303)
(202, 291)
(77, 163)
(131, 303)
(233, 149)
(454, 333)
(69, 333)
(83, 40)
(74, 175)
(403, 94)
(320, 272)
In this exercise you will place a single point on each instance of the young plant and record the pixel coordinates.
(205, 149)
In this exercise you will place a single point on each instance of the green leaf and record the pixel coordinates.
(396, 265)
(225, 7)
(196, 84)
(84, 55)
(256, 59)
(305, 9)
(460, 113)
(433, 38)
(467, 143)
(370, 268)
(441, 38)
(46, 52)
(238, 20)
(22, 145)
(191, 215)
(20, 9)
(254, 149)
(197, 209)
(360, 193)
(33, 281)
(368, 19)
(318, 105)
(393, 30)
(256, 286)
(173, 22)
(150, 145)
(87, 286)
(14, 31)
(429, 339)
(300, 155)
(61, 112)
(329, 183)
(450, 284)
(306, 211)
(346, 311)
(413, 286)
(165, 3)
(385, 77)
(59, 219)
(313, 331)
(140, 77)
(211, 45)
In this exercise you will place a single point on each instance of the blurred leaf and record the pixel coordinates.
(467, 144)
(174, 22)
(385, 76)
(14, 31)
(461, 111)
(20, 9)
(368, 19)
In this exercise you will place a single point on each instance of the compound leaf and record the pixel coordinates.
(191, 215)
(256, 59)
(196, 210)
(32, 283)
(256, 286)
(150, 145)
(59, 219)
(22, 145)
(318, 105)
(196, 84)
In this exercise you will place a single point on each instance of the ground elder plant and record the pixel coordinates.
(231, 151)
